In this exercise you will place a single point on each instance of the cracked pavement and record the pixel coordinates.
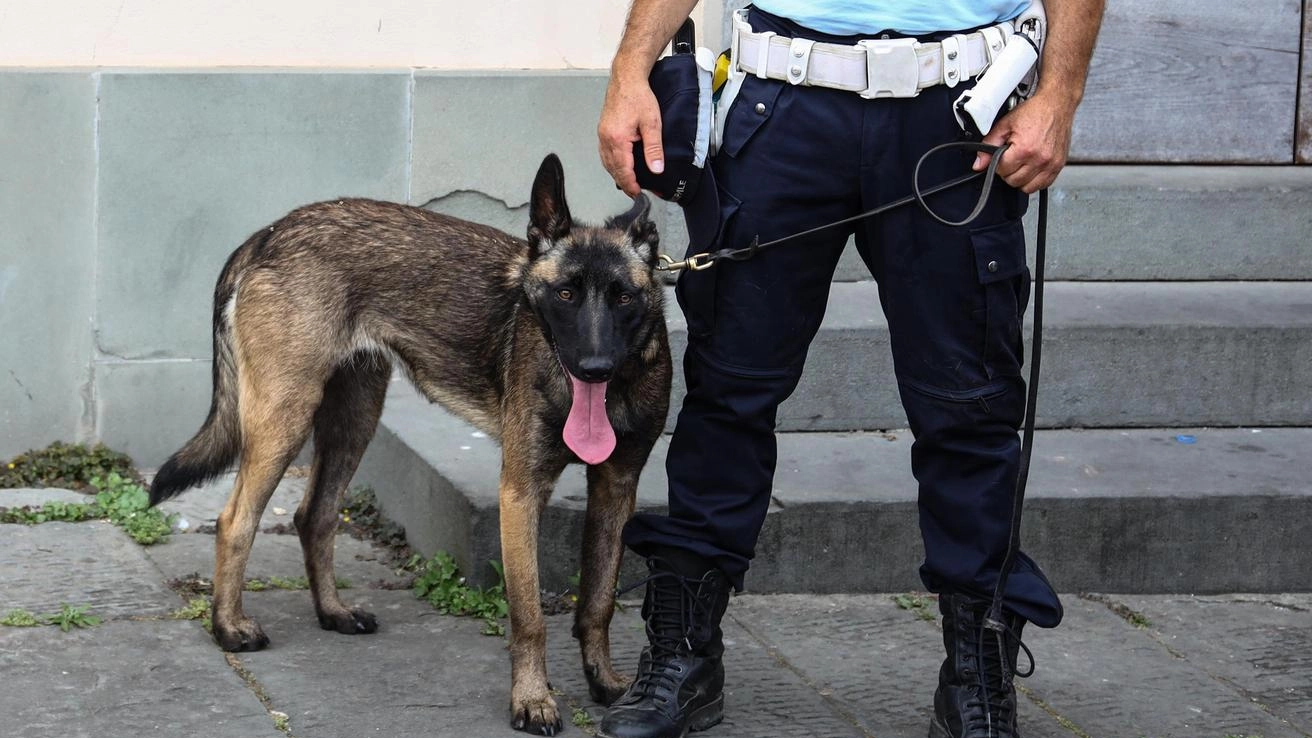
(850, 666)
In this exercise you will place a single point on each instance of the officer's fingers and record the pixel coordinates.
(1024, 178)
(649, 130)
(615, 145)
(999, 135)
(1014, 160)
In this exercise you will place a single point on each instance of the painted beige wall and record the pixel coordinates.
(449, 34)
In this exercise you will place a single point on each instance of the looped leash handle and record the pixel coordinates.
(985, 191)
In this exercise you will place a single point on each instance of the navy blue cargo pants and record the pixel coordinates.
(795, 157)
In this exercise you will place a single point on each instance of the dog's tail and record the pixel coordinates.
(215, 446)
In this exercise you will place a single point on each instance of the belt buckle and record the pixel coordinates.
(892, 68)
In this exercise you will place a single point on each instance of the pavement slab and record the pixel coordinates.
(36, 497)
(123, 679)
(421, 674)
(873, 660)
(820, 666)
(359, 562)
(1114, 680)
(1261, 644)
(91, 563)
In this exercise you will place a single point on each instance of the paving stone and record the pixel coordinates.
(1114, 680)
(428, 674)
(29, 497)
(93, 563)
(1261, 644)
(878, 663)
(763, 698)
(360, 562)
(123, 679)
(422, 673)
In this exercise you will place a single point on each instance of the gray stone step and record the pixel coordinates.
(1126, 222)
(1110, 510)
(1116, 354)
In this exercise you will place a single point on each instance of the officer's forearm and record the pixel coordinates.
(650, 27)
(1072, 30)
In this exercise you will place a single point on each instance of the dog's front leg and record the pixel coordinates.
(522, 498)
(612, 487)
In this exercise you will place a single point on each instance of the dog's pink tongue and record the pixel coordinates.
(587, 429)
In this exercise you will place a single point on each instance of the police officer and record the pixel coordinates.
(796, 154)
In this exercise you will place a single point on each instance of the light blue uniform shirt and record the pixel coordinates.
(850, 17)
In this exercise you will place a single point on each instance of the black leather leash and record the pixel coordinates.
(698, 262)
(705, 260)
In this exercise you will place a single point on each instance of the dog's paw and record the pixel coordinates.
(604, 685)
(242, 634)
(536, 716)
(350, 622)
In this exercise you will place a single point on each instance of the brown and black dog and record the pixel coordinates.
(556, 346)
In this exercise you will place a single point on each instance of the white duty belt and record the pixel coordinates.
(895, 67)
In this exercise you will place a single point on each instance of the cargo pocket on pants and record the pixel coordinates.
(695, 290)
(1005, 277)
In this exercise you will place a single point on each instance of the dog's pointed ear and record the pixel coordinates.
(639, 228)
(548, 219)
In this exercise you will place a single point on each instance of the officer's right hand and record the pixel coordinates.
(629, 114)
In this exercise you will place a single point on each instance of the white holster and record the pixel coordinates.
(1010, 77)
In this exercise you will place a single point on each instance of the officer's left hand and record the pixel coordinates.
(1039, 131)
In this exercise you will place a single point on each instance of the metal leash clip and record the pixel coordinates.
(696, 262)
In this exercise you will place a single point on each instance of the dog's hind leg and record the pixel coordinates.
(280, 377)
(612, 487)
(270, 441)
(343, 426)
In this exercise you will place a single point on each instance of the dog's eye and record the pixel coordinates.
(625, 298)
(565, 295)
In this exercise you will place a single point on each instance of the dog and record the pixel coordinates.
(555, 345)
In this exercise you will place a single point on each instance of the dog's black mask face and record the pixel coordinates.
(594, 289)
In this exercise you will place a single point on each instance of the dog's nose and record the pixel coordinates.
(596, 369)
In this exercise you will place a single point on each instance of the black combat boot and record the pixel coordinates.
(680, 681)
(976, 696)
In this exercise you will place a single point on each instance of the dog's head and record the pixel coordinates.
(593, 289)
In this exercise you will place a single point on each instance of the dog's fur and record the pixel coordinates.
(311, 313)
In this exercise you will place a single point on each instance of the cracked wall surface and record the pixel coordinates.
(136, 185)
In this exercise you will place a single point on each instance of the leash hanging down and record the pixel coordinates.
(698, 262)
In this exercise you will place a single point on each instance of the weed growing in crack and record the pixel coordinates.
(581, 718)
(127, 505)
(70, 617)
(63, 465)
(438, 582)
(921, 606)
(19, 618)
(51, 512)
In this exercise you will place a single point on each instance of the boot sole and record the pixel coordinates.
(707, 716)
(704, 717)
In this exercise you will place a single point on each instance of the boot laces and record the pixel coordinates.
(993, 706)
(674, 608)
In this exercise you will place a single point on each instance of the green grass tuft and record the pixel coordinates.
(438, 582)
(18, 618)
